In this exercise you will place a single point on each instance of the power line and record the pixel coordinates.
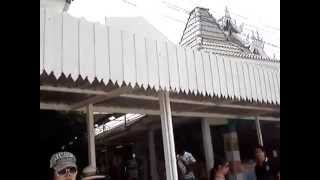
(265, 26)
(274, 28)
(239, 15)
(130, 3)
(175, 7)
(194, 4)
(184, 11)
(257, 27)
(179, 9)
(174, 19)
(270, 44)
(267, 43)
(180, 21)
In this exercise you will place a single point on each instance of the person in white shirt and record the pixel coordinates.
(186, 163)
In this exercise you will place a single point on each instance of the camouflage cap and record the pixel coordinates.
(62, 160)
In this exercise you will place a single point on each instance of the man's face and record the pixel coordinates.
(260, 155)
(66, 174)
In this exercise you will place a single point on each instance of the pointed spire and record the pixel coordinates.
(221, 33)
(227, 13)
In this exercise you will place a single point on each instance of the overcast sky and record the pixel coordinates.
(170, 16)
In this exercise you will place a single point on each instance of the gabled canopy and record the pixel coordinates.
(77, 48)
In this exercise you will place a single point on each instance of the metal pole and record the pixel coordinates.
(207, 145)
(259, 133)
(168, 137)
(91, 168)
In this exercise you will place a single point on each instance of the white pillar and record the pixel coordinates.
(232, 152)
(167, 136)
(152, 156)
(259, 133)
(207, 145)
(91, 168)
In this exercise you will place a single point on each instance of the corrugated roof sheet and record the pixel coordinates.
(75, 47)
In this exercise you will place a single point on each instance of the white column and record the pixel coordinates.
(152, 156)
(207, 145)
(232, 152)
(91, 168)
(259, 133)
(167, 135)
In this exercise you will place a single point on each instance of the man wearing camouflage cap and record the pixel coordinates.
(64, 166)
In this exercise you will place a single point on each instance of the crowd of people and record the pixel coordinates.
(262, 169)
(63, 165)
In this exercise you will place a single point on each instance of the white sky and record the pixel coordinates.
(264, 15)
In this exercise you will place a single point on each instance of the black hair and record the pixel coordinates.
(219, 162)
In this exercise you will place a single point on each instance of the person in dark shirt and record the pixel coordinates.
(263, 168)
(132, 168)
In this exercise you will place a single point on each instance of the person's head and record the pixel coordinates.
(260, 153)
(221, 166)
(64, 166)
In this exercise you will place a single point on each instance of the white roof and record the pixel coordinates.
(136, 25)
(75, 47)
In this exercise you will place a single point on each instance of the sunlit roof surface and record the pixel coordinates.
(128, 118)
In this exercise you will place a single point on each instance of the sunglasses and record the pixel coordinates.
(70, 170)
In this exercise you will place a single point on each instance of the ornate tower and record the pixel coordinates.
(203, 32)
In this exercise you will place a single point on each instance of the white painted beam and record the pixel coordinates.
(153, 98)
(54, 106)
(117, 109)
(72, 90)
(97, 99)
(202, 103)
(179, 113)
